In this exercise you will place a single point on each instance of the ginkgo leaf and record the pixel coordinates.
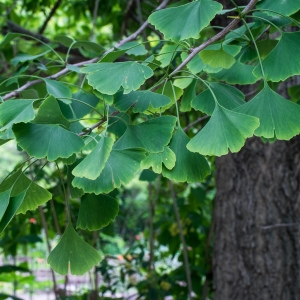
(239, 73)
(49, 113)
(156, 160)
(188, 95)
(142, 100)
(93, 164)
(120, 168)
(217, 57)
(73, 251)
(152, 135)
(4, 201)
(278, 116)
(16, 111)
(225, 129)
(14, 204)
(96, 211)
(22, 57)
(190, 167)
(227, 96)
(134, 48)
(284, 7)
(47, 140)
(283, 61)
(185, 21)
(167, 54)
(58, 90)
(107, 78)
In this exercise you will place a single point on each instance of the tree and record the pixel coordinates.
(148, 97)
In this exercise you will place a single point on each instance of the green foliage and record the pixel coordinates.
(144, 107)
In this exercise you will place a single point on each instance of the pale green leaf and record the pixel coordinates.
(120, 168)
(58, 90)
(152, 135)
(283, 61)
(93, 164)
(107, 78)
(73, 251)
(182, 83)
(185, 21)
(190, 167)
(47, 140)
(225, 129)
(134, 48)
(227, 96)
(142, 100)
(156, 160)
(278, 116)
(16, 111)
(96, 211)
(167, 54)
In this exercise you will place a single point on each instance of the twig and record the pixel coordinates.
(182, 239)
(66, 70)
(95, 12)
(55, 7)
(194, 123)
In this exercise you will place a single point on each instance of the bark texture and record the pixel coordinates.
(257, 217)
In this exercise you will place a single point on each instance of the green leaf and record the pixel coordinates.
(148, 175)
(185, 21)
(225, 129)
(190, 167)
(72, 250)
(4, 201)
(284, 7)
(134, 48)
(155, 160)
(216, 56)
(47, 140)
(167, 54)
(239, 73)
(78, 109)
(152, 135)
(58, 90)
(188, 95)
(142, 100)
(283, 61)
(8, 38)
(50, 113)
(11, 210)
(96, 211)
(227, 96)
(22, 57)
(107, 78)
(92, 165)
(196, 65)
(277, 115)
(16, 111)
(112, 56)
(120, 168)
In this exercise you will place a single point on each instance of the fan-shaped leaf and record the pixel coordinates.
(227, 96)
(156, 160)
(73, 250)
(283, 61)
(225, 129)
(276, 114)
(50, 113)
(188, 95)
(96, 211)
(190, 167)
(58, 90)
(120, 168)
(281, 6)
(47, 140)
(107, 78)
(92, 165)
(167, 54)
(4, 201)
(16, 111)
(185, 21)
(143, 100)
(152, 135)
(134, 48)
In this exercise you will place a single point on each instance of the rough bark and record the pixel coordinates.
(257, 216)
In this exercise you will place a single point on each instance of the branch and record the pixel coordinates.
(55, 7)
(65, 70)
(182, 239)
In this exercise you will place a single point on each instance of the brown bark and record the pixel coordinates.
(257, 217)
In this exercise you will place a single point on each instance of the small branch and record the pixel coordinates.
(182, 239)
(95, 12)
(55, 7)
(194, 123)
(279, 225)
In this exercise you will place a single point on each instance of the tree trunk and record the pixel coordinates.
(256, 221)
